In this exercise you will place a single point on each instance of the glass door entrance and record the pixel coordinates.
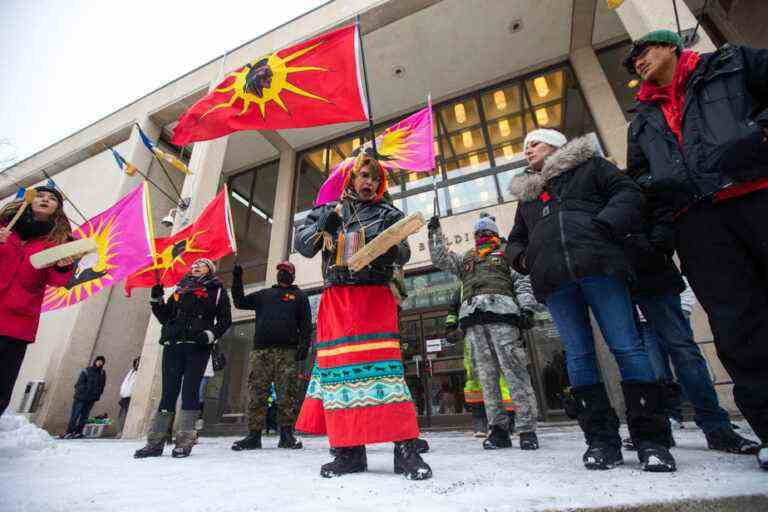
(434, 369)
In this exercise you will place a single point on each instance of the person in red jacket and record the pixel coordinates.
(41, 226)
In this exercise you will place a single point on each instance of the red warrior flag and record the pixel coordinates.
(313, 83)
(211, 236)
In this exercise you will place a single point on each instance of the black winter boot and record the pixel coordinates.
(600, 425)
(156, 436)
(422, 446)
(762, 457)
(186, 436)
(250, 442)
(288, 440)
(348, 460)
(648, 425)
(725, 439)
(498, 438)
(409, 463)
(529, 441)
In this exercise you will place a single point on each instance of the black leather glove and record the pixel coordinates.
(237, 272)
(388, 257)
(526, 319)
(301, 353)
(329, 221)
(201, 338)
(157, 291)
(433, 223)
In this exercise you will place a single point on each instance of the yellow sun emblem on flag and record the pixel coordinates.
(92, 270)
(263, 80)
(167, 259)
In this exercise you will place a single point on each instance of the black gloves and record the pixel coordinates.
(526, 319)
(329, 221)
(157, 291)
(237, 272)
(201, 338)
(388, 257)
(301, 353)
(433, 223)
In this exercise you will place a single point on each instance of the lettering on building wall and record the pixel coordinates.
(449, 241)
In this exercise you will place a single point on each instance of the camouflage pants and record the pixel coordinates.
(497, 349)
(265, 366)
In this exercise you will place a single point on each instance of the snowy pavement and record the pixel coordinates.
(41, 474)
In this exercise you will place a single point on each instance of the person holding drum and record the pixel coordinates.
(357, 393)
(25, 231)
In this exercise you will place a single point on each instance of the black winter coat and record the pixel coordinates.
(375, 217)
(90, 384)
(283, 316)
(186, 316)
(726, 98)
(578, 231)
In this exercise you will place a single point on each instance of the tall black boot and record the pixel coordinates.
(250, 442)
(600, 425)
(409, 463)
(648, 425)
(288, 440)
(157, 436)
(347, 460)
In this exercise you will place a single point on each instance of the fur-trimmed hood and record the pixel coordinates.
(528, 186)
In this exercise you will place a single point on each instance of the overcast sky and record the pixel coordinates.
(68, 63)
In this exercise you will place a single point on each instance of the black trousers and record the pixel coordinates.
(723, 249)
(183, 368)
(81, 410)
(12, 352)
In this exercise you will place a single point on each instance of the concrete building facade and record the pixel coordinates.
(495, 71)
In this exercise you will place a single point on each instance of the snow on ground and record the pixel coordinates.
(101, 475)
(19, 437)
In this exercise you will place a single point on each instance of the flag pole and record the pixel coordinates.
(436, 203)
(66, 197)
(367, 92)
(149, 180)
(165, 171)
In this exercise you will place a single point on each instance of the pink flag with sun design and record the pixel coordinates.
(124, 238)
(407, 144)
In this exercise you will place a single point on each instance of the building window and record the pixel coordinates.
(624, 85)
(478, 142)
(252, 200)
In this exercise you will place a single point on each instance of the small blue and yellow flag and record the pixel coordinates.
(124, 165)
(171, 159)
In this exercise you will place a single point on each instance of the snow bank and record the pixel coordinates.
(19, 437)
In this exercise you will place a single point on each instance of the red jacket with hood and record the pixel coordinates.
(22, 286)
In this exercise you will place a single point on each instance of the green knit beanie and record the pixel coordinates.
(666, 37)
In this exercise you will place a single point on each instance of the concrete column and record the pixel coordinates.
(201, 187)
(602, 103)
(81, 347)
(280, 240)
(642, 16)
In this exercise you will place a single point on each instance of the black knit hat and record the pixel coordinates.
(100, 358)
(52, 190)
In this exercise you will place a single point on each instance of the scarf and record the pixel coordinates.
(28, 228)
(671, 98)
(197, 286)
(486, 244)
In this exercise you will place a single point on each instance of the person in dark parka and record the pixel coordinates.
(700, 135)
(575, 208)
(196, 315)
(88, 389)
(656, 291)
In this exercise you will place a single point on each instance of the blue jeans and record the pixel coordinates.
(201, 391)
(609, 300)
(656, 352)
(665, 315)
(80, 411)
